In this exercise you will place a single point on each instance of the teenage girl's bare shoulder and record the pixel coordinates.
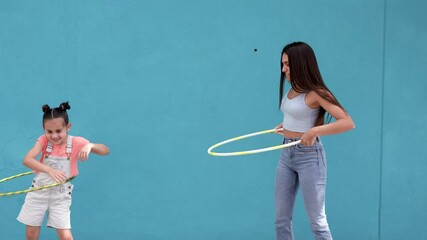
(314, 100)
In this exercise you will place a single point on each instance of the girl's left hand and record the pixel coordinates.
(84, 151)
(309, 138)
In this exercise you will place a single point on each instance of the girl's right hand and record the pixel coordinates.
(279, 129)
(57, 175)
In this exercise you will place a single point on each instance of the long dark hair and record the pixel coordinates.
(305, 76)
(59, 112)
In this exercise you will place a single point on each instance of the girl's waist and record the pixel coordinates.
(291, 134)
(289, 140)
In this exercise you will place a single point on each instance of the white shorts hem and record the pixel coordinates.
(27, 223)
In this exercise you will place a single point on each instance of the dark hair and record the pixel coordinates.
(59, 112)
(305, 76)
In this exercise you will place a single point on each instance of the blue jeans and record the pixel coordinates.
(303, 166)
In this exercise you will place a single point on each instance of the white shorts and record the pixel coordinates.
(56, 201)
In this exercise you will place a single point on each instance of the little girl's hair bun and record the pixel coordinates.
(45, 108)
(65, 106)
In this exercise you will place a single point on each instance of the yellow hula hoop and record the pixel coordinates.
(250, 151)
(28, 190)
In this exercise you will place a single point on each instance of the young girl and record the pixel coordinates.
(58, 162)
(304, 107)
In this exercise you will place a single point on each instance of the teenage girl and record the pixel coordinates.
(58, 162)
(304, 165)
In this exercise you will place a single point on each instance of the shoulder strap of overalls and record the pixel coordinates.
(69, 146)
(68, 149)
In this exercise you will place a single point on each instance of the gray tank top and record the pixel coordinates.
(297, 116)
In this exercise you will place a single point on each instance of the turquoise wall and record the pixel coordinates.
(161, 81)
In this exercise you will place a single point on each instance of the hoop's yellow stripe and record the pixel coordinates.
(250, 151)
(15, 176)
(28, 190)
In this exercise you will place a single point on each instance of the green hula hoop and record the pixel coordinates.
(28, 190)
(250, 151)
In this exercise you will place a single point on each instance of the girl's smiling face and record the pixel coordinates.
(56, 130)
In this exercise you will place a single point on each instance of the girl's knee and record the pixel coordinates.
(32, 236)
(66, 238)
(32, 233)
(64, 234)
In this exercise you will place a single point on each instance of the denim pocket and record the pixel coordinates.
(322, 157)
(302, 148)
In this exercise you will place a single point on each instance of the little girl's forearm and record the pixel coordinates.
(35, 165)
(100, 149)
